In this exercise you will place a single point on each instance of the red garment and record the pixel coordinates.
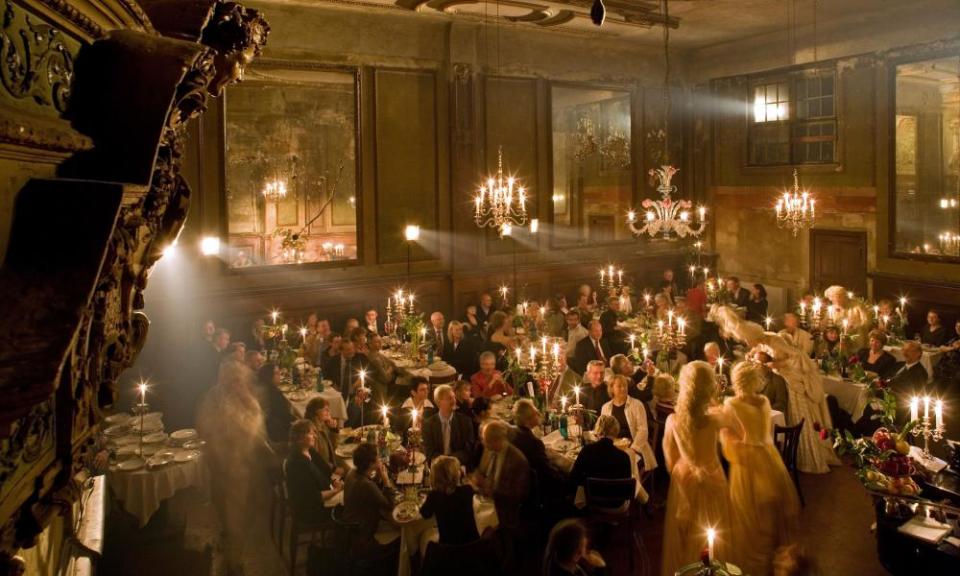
(480, 385)
(697, 301)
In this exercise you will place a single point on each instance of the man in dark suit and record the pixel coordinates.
(527, 417)
(436, 335)
(448, 432)
(371, 324)
(738, 294)
(459, 351)
(596, 394)
(772, 385)
(345, 370)
(593, 347)
(911, 378)
(503, 474)
(601, 459)
(484, 311)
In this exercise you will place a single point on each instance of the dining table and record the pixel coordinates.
(299, 398)
(929, 359)
(562, 453)
(852, 397)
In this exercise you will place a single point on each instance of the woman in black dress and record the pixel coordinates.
(934, 333)
(875, 358)
(310, 485)
(757, 305)
(451, 502)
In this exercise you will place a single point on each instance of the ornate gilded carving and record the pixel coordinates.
(29, 437)
(75, 16)
(34, 62)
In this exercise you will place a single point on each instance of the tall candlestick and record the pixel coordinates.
(711, 536)
(938, 413)
(274, 314)
(576, 394)
(386, 418)
(563, 404)
(914, 409)
(926, 407)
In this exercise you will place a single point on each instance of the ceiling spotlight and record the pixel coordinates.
(210, 246)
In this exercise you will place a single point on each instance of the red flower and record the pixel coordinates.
(824, 434)
(881, 383)
(816, 426)
(853, 360)
(705, 556)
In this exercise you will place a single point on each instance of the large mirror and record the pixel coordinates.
(926, 158)
(291, 167)
(592, 164)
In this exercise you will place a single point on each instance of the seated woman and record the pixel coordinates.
(829, 342)
(310, 484)
(757, 305)
(489, 382)
(451, 502)
(875, 358)
(948, 369)
(568, 553)
(328, 437)
(601, 459)
(934, 333)
(276, 409)
(365, 503)
(631, 417)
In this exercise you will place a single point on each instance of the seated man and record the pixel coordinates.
(503, 473)
(573, 332)
(344, 370)
(448, 432)
(911, 378)
(601, 459)
(640, 380)
(772, 385)
(527, 418)
(435, 333)
(594, 347)
(365, 502)
(563, 384)
(489, 382)
(596, 394)
(419, 400)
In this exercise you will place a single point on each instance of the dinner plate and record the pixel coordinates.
(130, 465)
(126, 440)
(118, 418)
(186, 456)
(116, 430)
(183, 435)
(161, 458)
(406, 511)
(151, 449)
(194, 444)
(346, 450)
(128, 451)
(297, 396)
(154, 438)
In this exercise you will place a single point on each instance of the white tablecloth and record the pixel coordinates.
(852, 397)
(298, 401)
(142, 491)
(406, 368)
(415, 535)
(929, 359)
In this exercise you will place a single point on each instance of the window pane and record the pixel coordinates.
(592, 164)
(927, 158)
(280, 175)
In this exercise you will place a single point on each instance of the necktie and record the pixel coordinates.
(446, 435)
(596, 346)
(440, 339)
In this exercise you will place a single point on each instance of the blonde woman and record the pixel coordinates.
(451, 501)
(764, 507)
(699, 496)
(632, 417)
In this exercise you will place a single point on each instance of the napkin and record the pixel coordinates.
(926, 529)
(932, 463)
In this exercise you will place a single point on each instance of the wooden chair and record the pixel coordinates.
(321, 530)
(787, 439)
(610, 502)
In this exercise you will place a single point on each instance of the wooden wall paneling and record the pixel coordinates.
(922, 295)
(369, 231)
(406, 160)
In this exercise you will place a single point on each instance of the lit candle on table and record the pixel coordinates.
(620, 277)
(682, 325)
(711, 536)
(363, 379)
(926, 408)
(646, 300)
(413, 418)
(768, 321)
(876, 312)
(602, 276)
(533, 355)
(846, 324)
(693, 271)
(143, 394)
(423, 333)
(556, 352)
(274, 314)
(543, 345)
(914, 409)
(633, 341)
(303, 335)
(516, 353)
(720, 365)
(386, 418)
(576, 395)
(563, 404)
(938, 413)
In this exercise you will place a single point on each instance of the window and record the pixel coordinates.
(794, 120)
(592, 165)
(925, 159)
(291, 167)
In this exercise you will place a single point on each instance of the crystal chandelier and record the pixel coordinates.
(667, 216)
(795, 209)
(501, 201)
(275, 190)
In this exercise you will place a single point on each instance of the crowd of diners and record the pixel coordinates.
(468, 450)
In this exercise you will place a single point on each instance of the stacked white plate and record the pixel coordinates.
(131, 464)
(186, 456)
(155, 438)
(119, 418)
(161, 458)
(180, 437)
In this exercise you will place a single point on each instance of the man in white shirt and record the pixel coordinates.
(795, 335)
(574, 332)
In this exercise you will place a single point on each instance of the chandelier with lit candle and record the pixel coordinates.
(667, 217)
(795, 209)
(501, 201)
(275, 190)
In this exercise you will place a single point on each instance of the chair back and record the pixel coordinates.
(610, 494)
(787, 439)
(477, 558)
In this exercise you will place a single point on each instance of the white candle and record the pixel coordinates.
(274, 315)
(846, 323)
(768, 321)
(363, 379)
(533, 354)
(682, 325)
(386, 419)
(576, 393)
(926, 407)
(556, 351)
(633, 340)
(563, 403)
(143, 393)
(711, 536)
(516, 353)
(620, 277)
(720, 365)
(413, 418)
(914, 409)
(543, 345)
(938, 413)
(602, 276)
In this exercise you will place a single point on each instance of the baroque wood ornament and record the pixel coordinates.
(75, 321)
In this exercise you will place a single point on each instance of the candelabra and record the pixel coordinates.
(612, 279)
(813, 317)
(333, 251)
(500, 201)
(667, 216)
(925, 428)
(673, 333)
(698, 268)
(795, 209)
(275, 190)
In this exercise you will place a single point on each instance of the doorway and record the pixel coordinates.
(838, 257)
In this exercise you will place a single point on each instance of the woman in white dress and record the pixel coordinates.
(764, 507)
(806, 398)
(699, 497)
(842, 307)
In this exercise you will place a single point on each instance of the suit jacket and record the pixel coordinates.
(594, 398)
(463, 357)
(511, 486)
(332, 370)
(373, 328)
(741, 297)
(438, 339)
(600, 460)
(484, 317)
(637, 421)
(907, 382)
(573, 337)
(775, 389)
(536, 454)
(585, 352)
(461, 437)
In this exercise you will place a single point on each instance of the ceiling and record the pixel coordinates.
(694, 23)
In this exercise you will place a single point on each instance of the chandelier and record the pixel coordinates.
(275, 190)
(501, 202)
(666, 216)
(795, 209)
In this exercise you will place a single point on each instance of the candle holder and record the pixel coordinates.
(928, 431)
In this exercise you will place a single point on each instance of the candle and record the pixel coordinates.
(703, 215)
(633, 340)
(711, 536)
(303, 333)
(693, 270)
(576, 393)
(363, 379)
(720, 365)
(660, 327)
(926, 408)
(563, 403)
(423, 333)
(682, 325)
(543, 311)
(143, 395)
(413, 418)
(274, 315)
(620, 277)
(803, 308)
(669, 317)
(602, 276)
(876, 312)
(938, 413)
(646, 299)
(533, 354)
(610, 273)
(556, 351)
(530, 389)
(914, 409)
(516, 353)
(543, 345)
(386, 419)
(846, 323)
(768, 321)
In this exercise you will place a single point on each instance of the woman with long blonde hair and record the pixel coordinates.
(699, 496)
(764, 507)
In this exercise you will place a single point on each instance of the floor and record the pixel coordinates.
(181, 539)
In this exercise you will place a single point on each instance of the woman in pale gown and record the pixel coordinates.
(764, 507)
(842, 307)
(806, 399)
(698, 497)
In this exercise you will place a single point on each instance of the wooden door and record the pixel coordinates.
(838, 257)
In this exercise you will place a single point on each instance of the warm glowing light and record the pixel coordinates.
(534, 225)
(275, 190)
(506, 229)
(411, 232)
(210, 246)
